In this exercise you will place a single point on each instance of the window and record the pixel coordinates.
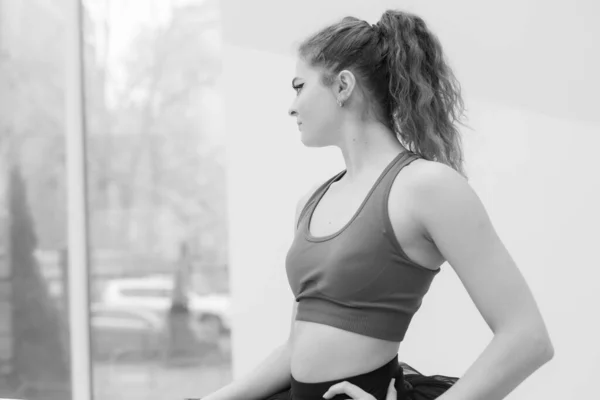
(156, 191)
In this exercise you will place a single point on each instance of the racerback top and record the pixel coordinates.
(357, 279)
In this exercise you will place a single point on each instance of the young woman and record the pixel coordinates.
(370, 240)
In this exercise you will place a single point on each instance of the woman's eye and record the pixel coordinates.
(297, 88)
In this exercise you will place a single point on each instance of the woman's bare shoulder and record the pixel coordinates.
(422, 177)
(420, 180)
(422, 171)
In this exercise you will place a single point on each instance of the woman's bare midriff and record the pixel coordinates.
(323, 353)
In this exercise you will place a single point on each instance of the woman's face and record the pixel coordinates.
(315, 107)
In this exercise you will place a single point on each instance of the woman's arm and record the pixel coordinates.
(454, 218)
(271, 376)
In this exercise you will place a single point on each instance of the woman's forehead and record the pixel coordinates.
(304, 70)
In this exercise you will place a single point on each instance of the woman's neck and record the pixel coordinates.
(367, 148)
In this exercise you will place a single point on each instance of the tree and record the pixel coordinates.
(40, 354)
(32, 71)
(155, 166)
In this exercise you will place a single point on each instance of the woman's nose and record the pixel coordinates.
(292, 112)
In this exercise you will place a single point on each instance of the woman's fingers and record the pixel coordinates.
(391, 393)
(349, 389)
(357, 393)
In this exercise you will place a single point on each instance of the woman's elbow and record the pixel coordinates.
(532, 342)
(548, 351)
(540, 345)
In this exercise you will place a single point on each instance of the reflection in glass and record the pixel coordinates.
(160, 312)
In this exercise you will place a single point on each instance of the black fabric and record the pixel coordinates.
(410, 384)
(421, 387)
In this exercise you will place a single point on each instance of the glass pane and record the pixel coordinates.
(34, 333)
(160, 312)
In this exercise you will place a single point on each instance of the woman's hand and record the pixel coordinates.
(357, 393)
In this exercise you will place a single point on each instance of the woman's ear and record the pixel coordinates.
(344, 85)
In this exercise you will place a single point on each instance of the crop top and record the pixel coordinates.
(357, 279)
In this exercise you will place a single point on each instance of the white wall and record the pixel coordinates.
(537, 176)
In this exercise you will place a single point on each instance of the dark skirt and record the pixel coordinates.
(409, 384)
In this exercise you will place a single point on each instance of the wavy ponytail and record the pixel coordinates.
(425, 95)
(400, 64)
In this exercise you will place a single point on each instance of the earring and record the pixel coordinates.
(340, 103)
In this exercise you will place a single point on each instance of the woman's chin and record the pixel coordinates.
(304, 139)
(308, 143)
(309, 140)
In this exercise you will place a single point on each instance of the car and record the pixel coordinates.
(118, 332)
(155, 294)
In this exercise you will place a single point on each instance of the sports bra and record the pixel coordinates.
(357, 279)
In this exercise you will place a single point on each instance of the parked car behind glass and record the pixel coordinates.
(155, 294)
